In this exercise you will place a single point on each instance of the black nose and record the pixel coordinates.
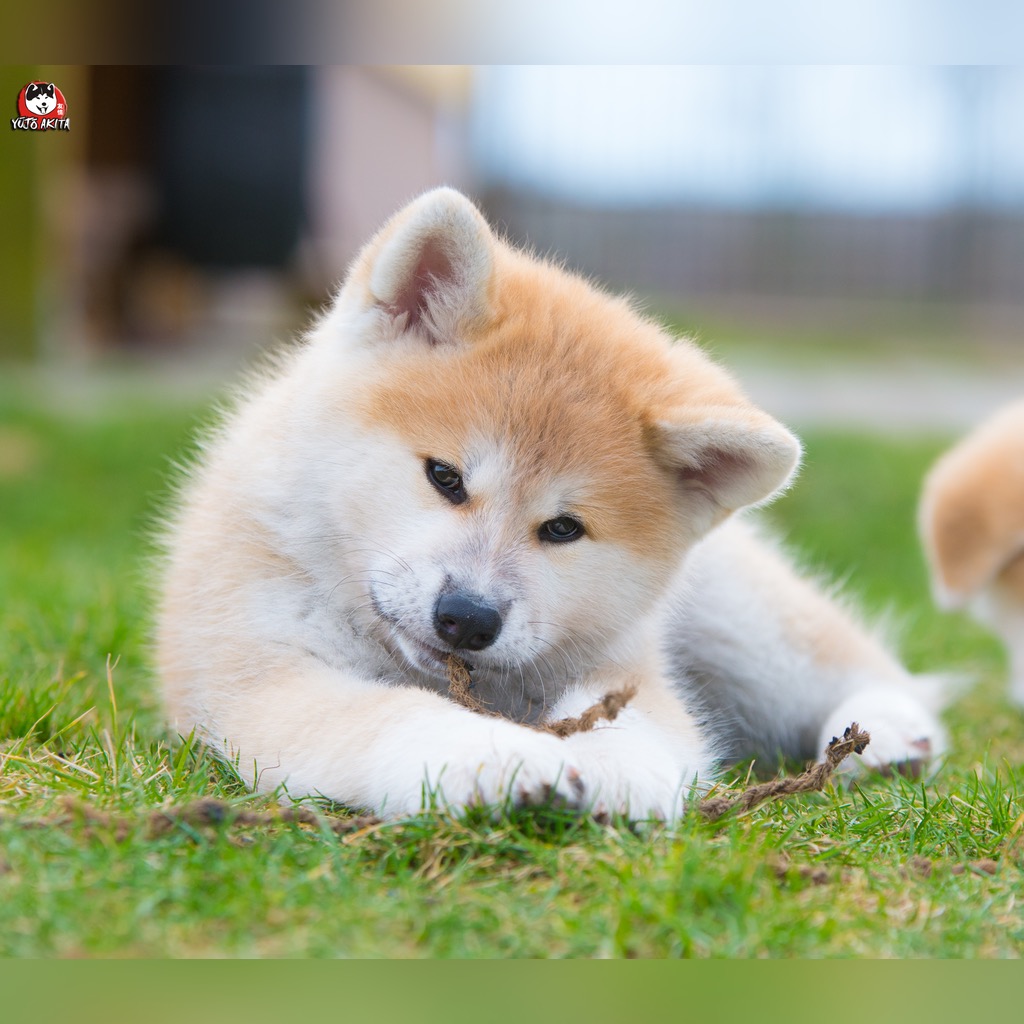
(465, 622)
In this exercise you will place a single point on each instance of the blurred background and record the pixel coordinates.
(851, 239)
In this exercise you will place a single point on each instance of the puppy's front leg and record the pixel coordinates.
(391, 749)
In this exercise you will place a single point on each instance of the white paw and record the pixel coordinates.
(634, 772)
(506, 765)
(906, 736)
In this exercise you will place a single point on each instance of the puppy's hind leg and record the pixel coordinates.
(782, 667)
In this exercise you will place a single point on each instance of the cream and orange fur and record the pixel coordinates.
(476, 450)
(972, 526)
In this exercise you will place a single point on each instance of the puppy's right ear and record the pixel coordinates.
(430, 267)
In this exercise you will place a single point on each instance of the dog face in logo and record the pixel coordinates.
(40, 97)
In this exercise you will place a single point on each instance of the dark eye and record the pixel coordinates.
(561, 529)
(447, 480)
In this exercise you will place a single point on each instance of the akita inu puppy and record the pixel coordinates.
(972, 526)
(477, 452)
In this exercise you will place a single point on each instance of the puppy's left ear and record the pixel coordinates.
(430, 267)
(726, 458)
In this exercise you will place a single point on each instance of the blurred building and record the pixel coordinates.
(752, 189)
(962, 255)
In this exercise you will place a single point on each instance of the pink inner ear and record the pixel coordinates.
(717, 465)
(722, 473)
(433, 269)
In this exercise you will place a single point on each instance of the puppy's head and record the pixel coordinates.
(543, 456)
(971, 514)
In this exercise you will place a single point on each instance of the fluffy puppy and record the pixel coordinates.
(475, 451)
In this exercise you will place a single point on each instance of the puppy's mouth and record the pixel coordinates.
(423, 656)
(426, 657)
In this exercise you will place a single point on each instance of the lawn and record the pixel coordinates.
(96, 860)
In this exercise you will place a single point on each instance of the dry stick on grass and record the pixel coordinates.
(606, 709)
(813, 780)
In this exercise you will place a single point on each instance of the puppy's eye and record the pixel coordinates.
(562, 529)
(447, 480)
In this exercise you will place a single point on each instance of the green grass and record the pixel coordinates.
(891, 868)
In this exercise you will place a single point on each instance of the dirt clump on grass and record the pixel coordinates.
(205, 813)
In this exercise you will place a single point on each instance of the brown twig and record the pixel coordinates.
(460, 685)
(607, 709)
(813, 780)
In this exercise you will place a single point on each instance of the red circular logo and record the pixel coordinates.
(42, 100)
